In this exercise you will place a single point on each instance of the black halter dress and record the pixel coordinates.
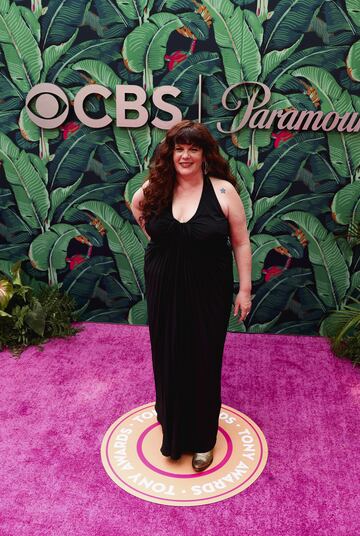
(189, 290)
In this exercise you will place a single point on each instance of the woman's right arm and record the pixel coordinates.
(135, 208)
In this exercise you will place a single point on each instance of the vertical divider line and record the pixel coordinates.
(199, 97)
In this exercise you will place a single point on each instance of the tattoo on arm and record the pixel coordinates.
(222, 190)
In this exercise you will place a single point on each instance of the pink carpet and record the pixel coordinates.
(57, 404)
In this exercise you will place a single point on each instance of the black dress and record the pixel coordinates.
(189, 289)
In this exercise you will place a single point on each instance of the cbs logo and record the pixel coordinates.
(46, 98)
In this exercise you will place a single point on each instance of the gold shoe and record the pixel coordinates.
(202, 460)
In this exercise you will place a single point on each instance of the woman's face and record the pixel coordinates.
(187, 158)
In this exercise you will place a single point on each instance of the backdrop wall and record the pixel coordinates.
(65, 192)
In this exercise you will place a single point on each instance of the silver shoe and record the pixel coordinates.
(202, 460)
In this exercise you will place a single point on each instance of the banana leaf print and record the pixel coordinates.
(238, 47)
(65, 193)
(344, 147)
(20, 47)
(289, 20)
(26, 176)
(128, 253)
(330, 269)
(353, 62)
(346, 204)
(273, 296)
(61, 20)
(144, 48)
(281, 164)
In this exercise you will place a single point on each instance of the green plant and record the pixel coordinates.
(345, 341)
(27, 318)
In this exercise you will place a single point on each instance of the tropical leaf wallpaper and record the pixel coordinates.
(65, 193)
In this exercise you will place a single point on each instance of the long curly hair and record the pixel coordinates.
(162, 175)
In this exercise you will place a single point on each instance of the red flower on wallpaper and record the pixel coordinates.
(75, 260)
(271, 272)
(69, 128)
(281, 137)
(175, 58)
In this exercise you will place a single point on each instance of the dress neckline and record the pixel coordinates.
(198, 207)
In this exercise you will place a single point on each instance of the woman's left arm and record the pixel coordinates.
(240, 242)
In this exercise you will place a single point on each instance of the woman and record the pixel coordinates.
(189, 208)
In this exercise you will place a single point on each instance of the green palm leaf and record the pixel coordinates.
(330, 269)
(106, 192)
(273, 296)
(144, 48)
(6, 198)
(329, 57)
(116, 24)
(339, 23)
(61, 20)
(27, 183)
(296, 327)
(93, 21)
(238, 47)
(21, 50)
(175, 6)
(234, 325)
(138, 313)
(344, 147)
(100, 72)
(133, 185)
(320, 28)
(72, 156)
(353, 9)
(32, 132)
(186, 76)
(355, 283)
(133, 144)
(196, 24)
(265, 327)
(81, 282)
(13, 252)
(32, 22)
(245, 182)
(238, 167)
(313, 203)
(14, 230)
(134, 9)
(53, 53)
(127, 250)
(353, 62)
(11, 97)
(48, 250)
(346, 204)
(261, 244)
(282, 164)
(59, 195)
(263, 205)
(338, 321)
(213, 90)
(289, 21)
(93, 49)
(115, 167)
(322, 171)
(273, 59)
(8, 121)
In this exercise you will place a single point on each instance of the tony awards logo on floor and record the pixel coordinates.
(131, 456)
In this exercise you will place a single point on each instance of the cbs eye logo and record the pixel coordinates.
(47, 105)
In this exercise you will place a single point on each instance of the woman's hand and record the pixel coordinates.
(242, 302)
